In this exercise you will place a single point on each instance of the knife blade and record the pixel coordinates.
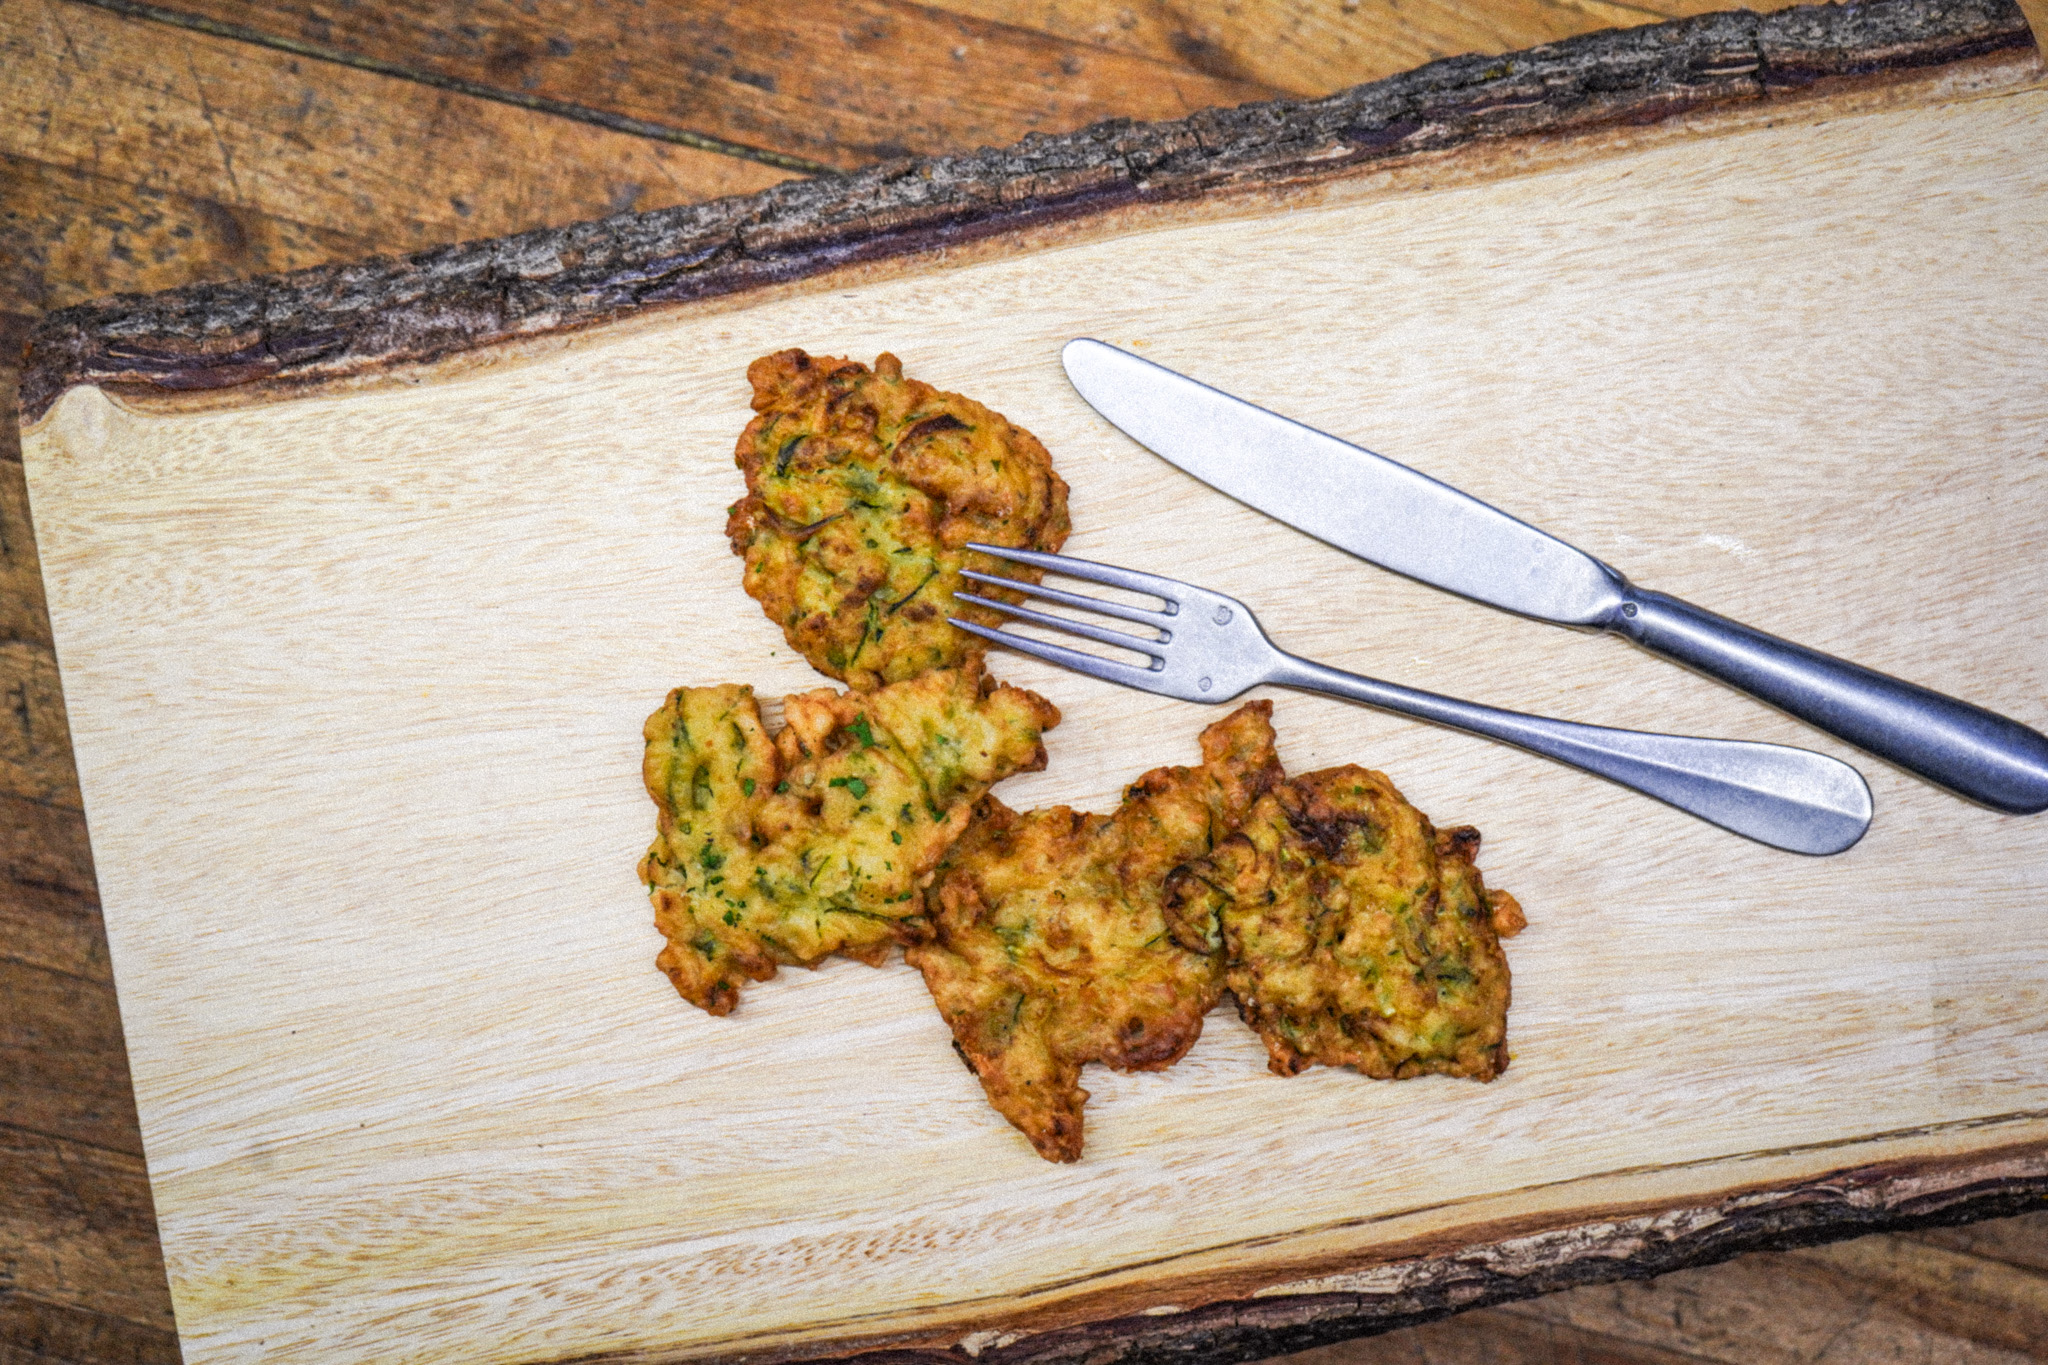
(1401, 519)
(1379, 510)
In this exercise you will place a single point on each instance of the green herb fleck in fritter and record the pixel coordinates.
(782, 851)
(1353, 932)
(863, 489)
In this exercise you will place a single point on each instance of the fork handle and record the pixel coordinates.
(1972, 752)
(1792, 799)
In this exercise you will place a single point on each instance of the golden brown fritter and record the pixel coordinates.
(1049, 947)
(817, 841)
(862, 490)
(1354, 933)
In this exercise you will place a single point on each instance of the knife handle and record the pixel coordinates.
(1972, 752)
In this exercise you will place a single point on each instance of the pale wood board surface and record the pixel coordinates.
(356, 682)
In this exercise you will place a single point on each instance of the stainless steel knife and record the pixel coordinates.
(1403, 520)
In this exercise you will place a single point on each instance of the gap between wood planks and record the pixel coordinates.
(603, 118)
(138, 157)
(807, 87)
(142, 149)
(811, 84)
(1909, 1297)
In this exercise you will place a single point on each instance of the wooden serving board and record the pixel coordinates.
(364, 580)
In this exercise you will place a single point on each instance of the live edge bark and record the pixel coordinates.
(353, 319)
(343, 320)
(1405, 1293)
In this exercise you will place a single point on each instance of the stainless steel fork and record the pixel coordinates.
(1210, 648)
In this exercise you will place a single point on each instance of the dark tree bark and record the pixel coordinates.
(1853, 1202)
(338, 321)
(351, 319)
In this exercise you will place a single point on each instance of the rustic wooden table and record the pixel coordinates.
(144, 146)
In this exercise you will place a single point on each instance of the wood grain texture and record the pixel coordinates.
(1495, 1337)
(299, 160)
(1303, 47)
(36, 1332)
(327, 323)
(67, 235)
(1980, 1303)
(146, 248)
(2010, 1243)
(1791, 1309)
(1950, 1291)
(832, 83)
(1761, 1310)
(420, 1080)
(65, 1083)
(88, 1209)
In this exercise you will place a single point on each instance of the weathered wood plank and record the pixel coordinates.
(77, 1230)
(35, 746)
(36, 1332)
(1786, 1310)
(67, 235)
(1968, 1297)
(838, 82)
(385, 163)
(62, 1065)
(49, 906)
(348, 320)
(1495, 1336)
(2021, 1242)
(49, 930)
(23, 617)
(1312, 47)
(1581, 1343)
(1877, 1297)
(41, 831)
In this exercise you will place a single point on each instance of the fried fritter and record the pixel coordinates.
(1049, 949)
(785, 851)
(1354, 933)
(862, 490)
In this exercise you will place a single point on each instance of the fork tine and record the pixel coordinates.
(1089, 571)
(1071, 599)
(1136, 644)
(1094, 665)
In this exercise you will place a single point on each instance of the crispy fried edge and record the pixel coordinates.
(787, 747)
(1055, 1130)
(1196, 894)
(801, 374)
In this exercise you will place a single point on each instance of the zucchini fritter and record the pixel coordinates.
(785, 851)
(862, 490)
(1354, 933)
(1049, 948)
